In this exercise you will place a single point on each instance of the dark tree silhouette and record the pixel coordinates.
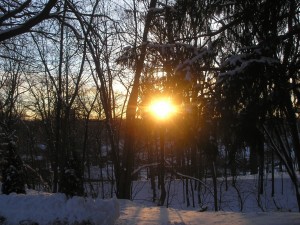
(12, 169)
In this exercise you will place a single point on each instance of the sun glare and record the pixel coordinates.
(162, 108)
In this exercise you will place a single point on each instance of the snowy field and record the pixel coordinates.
(241, 198)
(239, 206)
(133, 213)
(46, 209)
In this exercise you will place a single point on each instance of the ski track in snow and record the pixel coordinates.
(132, 213)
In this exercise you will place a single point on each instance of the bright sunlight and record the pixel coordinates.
(162, 108)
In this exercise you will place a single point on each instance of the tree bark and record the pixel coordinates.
(124, 184)
(162, 167)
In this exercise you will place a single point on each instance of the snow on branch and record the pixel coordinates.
(142, 167)
(194, 53)
(198, 55)
(163, 49)
(219, 31)
(163, 9)
(189, 177)
(189, 54)
(237, 64)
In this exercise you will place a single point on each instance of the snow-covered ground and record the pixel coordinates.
(136, 214)
(46, 209)
(241, 198)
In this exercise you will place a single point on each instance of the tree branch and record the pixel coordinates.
(27, 25)
(12, 13)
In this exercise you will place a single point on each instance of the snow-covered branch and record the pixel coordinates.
(189, 177)
(142, 167)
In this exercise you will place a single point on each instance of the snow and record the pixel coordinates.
(48, 208)
(236, 64)
(133, 213)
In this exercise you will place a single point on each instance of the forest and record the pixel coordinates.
(80, 79)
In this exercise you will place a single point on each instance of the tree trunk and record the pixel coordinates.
(151, 169)
(253, 160)
(260, 146)
(187, 192)
(273, 177)
(124, 184)
(214, 177)
(162, 168)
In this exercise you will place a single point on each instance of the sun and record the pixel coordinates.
(162, 108)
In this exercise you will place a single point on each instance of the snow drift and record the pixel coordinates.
(46, 209)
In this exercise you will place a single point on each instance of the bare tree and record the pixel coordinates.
(19, 17)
